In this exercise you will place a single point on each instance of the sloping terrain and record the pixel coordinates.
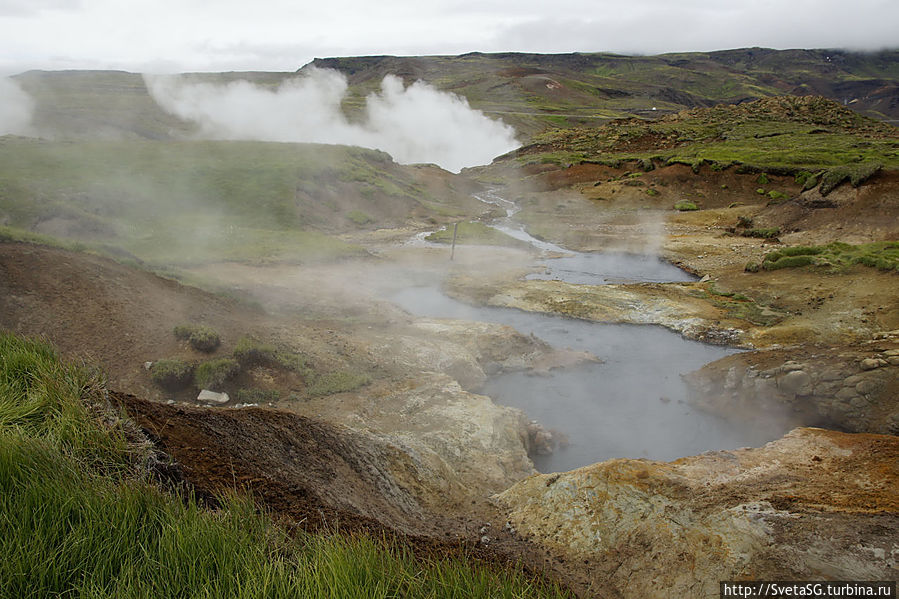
(174, 203)
(582, 86)
(532, 92)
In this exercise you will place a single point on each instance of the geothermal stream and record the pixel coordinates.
(634, 403)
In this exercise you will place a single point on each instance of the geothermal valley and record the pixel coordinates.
(635, 356)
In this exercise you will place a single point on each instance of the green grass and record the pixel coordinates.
(171, 374)
(250, 352)
(340, 381)
(883, 255)
(213, 374)
(686, 206)
(737, 305)
(182, 203)
(79, 517)
(473, 233)
(200, 337)
(256, 395)
(818, 141)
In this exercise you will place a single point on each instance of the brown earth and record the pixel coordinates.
(813, 505)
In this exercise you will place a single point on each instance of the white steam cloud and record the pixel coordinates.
(16, 109)
(413, 124)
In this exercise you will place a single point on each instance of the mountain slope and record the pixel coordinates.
(532, 92)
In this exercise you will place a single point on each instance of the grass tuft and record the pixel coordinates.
(171, 374)
(340, 381)
(685, 206)
(200, 337)
(213, 374)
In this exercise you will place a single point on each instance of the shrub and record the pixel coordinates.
(752, 267)
(760, 191)
(744, 221)
(171, 374)
(213, 374)
(777, 196)
(252, 352)
(652, 192)
(801, 250)
(255, 395)
(763, 179)
(200, 337)
(686, 205)
(358, 217)
(788, 262)
(769, 233)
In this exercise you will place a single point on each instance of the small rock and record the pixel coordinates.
(872, 363)
(858, 402)
(208, 396)
(485, 539)
(832, 374)
(869, 386)
(894, 360)
(891, 353)
(796, 382)
(148, 365)
(846, 393)
(853, 380)
(705, 278)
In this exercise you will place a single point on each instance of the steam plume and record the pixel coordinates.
(16, 108)
(413, 124)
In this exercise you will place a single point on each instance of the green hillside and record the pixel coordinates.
(811, 136)
(191, 201)
(532, 92)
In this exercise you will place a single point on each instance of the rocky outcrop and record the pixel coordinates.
(462, 443)
(851, 388)
(815, 504)
(676, 306)
(469, 351)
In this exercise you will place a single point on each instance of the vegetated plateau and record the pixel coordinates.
(351, 452)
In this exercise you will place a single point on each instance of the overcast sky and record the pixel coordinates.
(215, 35)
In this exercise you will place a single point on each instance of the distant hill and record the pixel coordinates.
(535, 91)
(532, 92)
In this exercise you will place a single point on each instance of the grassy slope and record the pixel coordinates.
(176, 202)
(583, 88)
(787, 135)
(80, 516)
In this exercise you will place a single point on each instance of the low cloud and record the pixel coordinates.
(16, 109)
(413, 124)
